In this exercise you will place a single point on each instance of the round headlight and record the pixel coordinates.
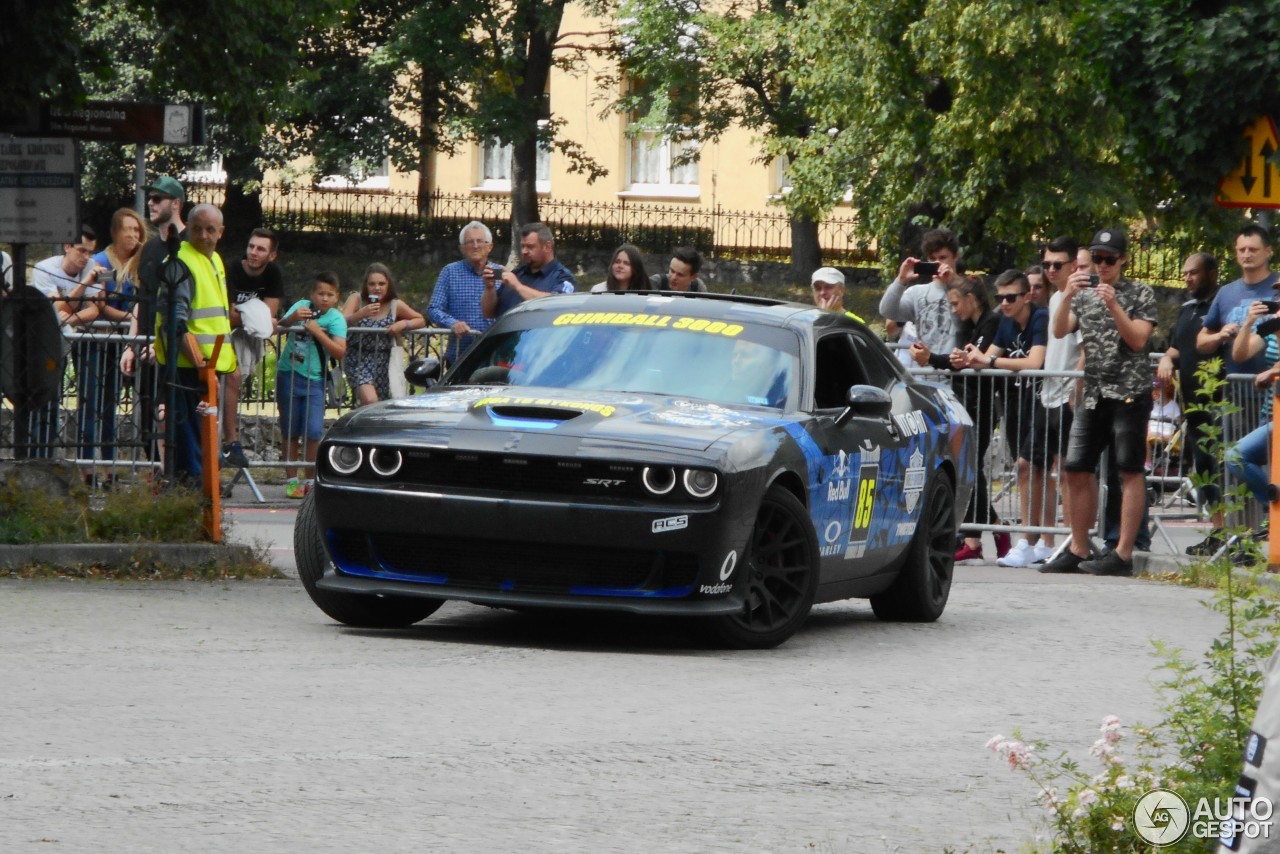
(345, 459)
(385, 461)
(700, 482)
(658, 479)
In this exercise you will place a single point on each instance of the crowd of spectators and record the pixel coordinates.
(1073, 311)
(1076, 312)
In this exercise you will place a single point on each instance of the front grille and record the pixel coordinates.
(529, 567)
(522, 474)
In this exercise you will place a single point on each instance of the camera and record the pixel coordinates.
(1268, 326)
(1093, 280)
(927, 269)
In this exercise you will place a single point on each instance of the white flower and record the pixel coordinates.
(1088, 797)
(1118, 824)
(994, 743)
(1123, 782)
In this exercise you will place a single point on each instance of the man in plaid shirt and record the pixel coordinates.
(455, 302)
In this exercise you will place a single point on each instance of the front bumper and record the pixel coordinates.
(629, 556)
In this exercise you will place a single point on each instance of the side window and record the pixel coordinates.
(880, 369)
(836, 368)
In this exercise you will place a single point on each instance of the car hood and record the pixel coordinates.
(444, 417)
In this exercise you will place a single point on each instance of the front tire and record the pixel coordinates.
(920, 592)
(352, 609)
(781, 566)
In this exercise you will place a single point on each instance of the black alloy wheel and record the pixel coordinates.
(781, 576)
(920, 593)
(352, 609)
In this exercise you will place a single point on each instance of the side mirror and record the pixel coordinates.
(423, 372)
(865, 401)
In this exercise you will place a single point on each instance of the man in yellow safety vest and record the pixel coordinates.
(200, 315)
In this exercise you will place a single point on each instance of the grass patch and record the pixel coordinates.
(129, 514)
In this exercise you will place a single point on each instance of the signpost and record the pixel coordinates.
(125, 121)
(1255, 183)
(39, 190)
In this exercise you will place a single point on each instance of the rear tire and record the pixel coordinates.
(781, 567)
(352, 609)
(920, 592)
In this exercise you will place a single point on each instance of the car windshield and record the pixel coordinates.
(719, 361)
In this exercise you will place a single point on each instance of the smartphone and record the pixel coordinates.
(927, 269)
(374, 297)
(1272, 305)
(1093, 280)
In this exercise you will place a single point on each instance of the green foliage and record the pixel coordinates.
(131, 513)
(695, 70)
(961, 114)
(1187, 78)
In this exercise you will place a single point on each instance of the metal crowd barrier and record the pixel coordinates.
(993, 399)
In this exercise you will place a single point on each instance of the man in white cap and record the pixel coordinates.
(828, 290)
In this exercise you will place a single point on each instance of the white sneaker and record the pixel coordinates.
(1019, 555)
(1040, 553)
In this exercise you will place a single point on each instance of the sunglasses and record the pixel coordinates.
(1105, 259)
(1011, 298)
(1054, 265)
(155, 200)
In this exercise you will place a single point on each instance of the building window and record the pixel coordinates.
(206, 171)
(360, 175)
(495, 167)
(660, 166)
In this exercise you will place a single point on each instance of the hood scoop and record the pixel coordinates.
(531, 417)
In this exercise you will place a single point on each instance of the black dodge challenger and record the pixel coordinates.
(726, 458)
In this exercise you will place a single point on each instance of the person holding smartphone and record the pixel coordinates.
(1247, 458)
(1115, 319)
(919, 293)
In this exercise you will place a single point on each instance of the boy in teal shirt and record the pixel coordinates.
(300, 374)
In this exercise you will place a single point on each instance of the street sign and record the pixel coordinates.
(1255, 183)
(39, 190)
(125, 121)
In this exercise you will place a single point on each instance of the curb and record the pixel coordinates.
(122, 555)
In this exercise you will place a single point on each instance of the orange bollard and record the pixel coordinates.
(210, 450)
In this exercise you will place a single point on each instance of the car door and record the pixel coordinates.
(860, 468)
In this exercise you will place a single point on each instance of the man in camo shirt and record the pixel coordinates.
(1115, 317)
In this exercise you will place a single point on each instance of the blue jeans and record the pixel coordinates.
(1247, 461)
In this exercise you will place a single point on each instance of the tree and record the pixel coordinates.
(382, 77)
(244, 59)
(696, 70)
(1187, 78)
(414, 79)
(981, 117)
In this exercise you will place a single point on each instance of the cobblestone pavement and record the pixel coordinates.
(236, 717)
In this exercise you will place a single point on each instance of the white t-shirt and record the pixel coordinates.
(1061, 354)
(50, 279)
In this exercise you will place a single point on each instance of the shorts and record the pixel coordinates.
(249, 351)
(1024, 426)
(1050, 441)
(1111, 423)
(301, 402)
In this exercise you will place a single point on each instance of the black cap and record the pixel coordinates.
(1111, 240)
